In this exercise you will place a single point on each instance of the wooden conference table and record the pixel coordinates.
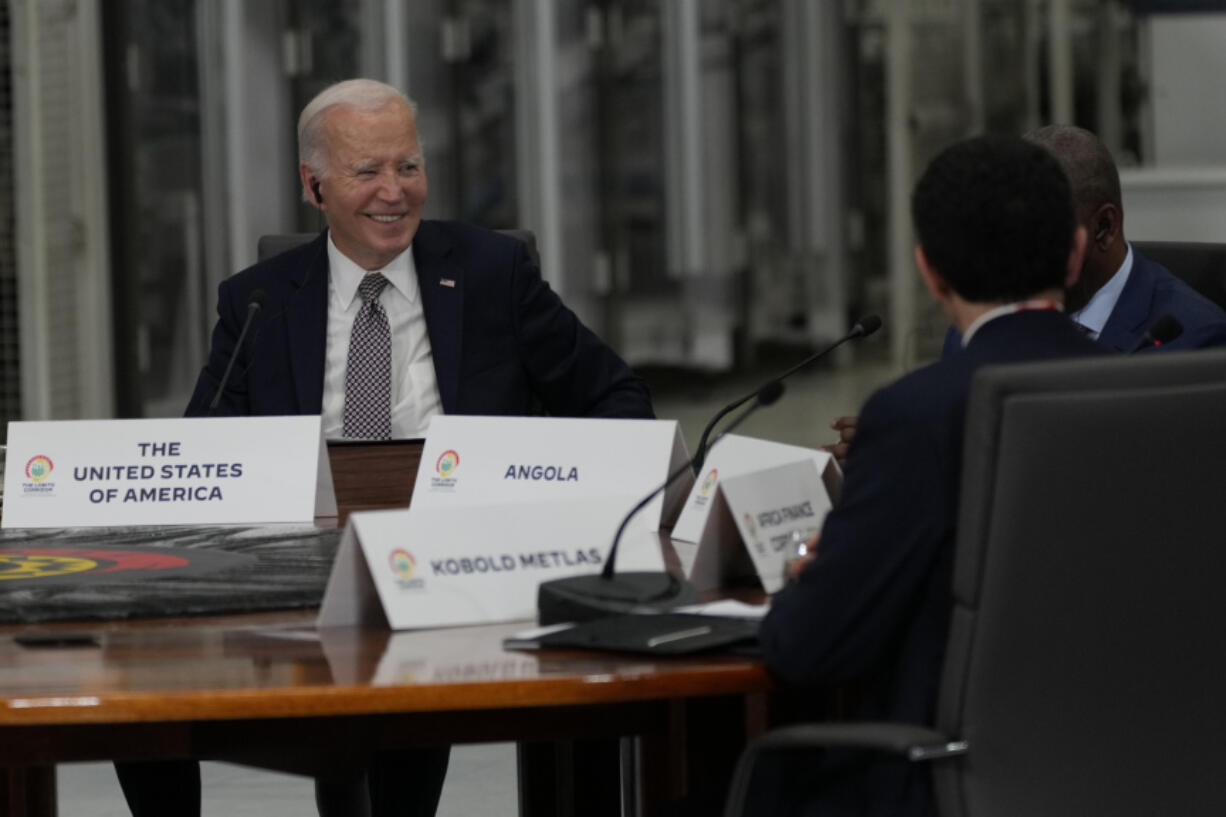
(269, 690)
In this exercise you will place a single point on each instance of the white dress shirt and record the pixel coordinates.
(415, 395)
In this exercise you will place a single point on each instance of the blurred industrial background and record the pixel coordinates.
(716, 186)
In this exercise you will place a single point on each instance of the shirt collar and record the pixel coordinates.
(401, 273)
(1007, 309)
(1098, 309)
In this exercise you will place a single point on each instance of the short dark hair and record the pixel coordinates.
(1090, 167)
(995, 218)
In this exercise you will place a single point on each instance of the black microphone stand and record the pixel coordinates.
(254, 304)
(862, 328)
(583, 598)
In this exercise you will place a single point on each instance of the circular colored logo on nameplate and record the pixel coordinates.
(448, 461)
(39, 467)
(402, 562)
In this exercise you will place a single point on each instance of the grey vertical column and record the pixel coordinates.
(972, 62)
(1110, 124)
(1031, 48)
(536, 131)
(259, 149)
(899, 171)
(704, 243)
(815, 118)
(1060, 60)
(63, 248)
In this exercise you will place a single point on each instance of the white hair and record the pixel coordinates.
(361, 94)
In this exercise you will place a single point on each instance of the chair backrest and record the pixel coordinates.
(1201, 266)
(269, 245)
(1086, 663)
(277, 243)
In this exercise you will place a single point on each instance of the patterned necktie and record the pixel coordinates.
(368, 375)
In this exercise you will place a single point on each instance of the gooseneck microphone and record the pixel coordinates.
(254, 303)
(862, 329)
(1160, 332)
(767, 395)
(583, 598)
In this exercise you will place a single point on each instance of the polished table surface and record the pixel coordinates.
(278, 665)
(270, 690)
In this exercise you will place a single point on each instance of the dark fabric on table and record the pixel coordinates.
(235, 570)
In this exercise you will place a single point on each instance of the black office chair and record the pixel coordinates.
(277, 243)
(1201, 266)
(1085, 666)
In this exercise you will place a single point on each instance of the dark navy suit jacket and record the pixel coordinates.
(502, 340)
(874, 606)
(1150, 292)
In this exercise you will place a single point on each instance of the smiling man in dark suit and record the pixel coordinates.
(380, 323)
(472, 327)
(998, 246)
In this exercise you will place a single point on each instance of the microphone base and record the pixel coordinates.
(584, 598)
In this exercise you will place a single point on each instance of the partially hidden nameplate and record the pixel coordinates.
(217, 470)
(495, 460)
(434, 567)
(773, 509)
(752, 501)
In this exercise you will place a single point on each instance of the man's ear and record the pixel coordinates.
(1105, 226)
(937, 286)
(1076, 257)
(310, 186)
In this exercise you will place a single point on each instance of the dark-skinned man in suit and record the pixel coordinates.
(1120, 293)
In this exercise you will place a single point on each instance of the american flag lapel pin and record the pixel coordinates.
(447, 282)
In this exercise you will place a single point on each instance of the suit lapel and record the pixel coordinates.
(441, 282)
(1128, 320)
(306, 321)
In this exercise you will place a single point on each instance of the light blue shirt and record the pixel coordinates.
(1093, 316)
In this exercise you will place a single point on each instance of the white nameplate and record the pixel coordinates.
(774, 508)
(217, 470)
(495, 460)
(433, 567)
(708, 537)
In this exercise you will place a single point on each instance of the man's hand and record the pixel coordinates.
(846, 427)
(805, 554)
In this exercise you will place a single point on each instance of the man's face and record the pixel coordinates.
(375, 185)
(1103, 255)
(1086, 284)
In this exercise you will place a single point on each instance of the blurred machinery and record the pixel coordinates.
(706, 178)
